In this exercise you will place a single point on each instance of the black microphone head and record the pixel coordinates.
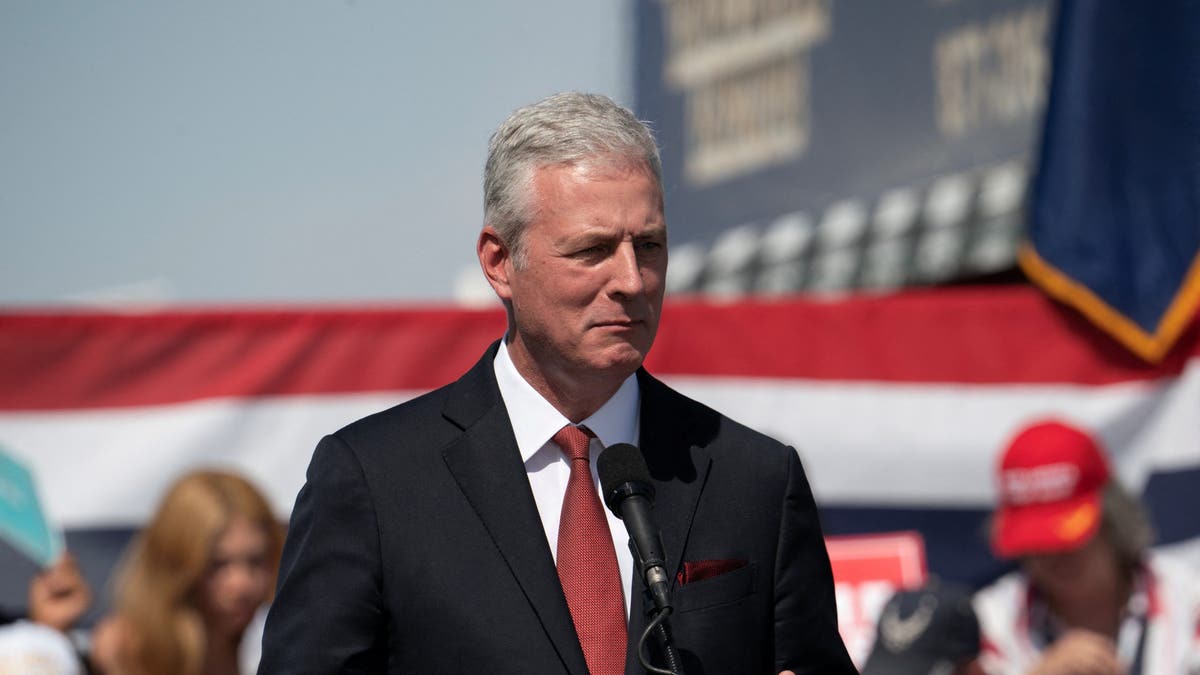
(623, 472)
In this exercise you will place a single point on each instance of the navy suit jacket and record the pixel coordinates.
(415, 546)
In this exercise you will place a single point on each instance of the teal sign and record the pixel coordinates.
(23, 524)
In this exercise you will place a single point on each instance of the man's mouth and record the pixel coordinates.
(618, 325)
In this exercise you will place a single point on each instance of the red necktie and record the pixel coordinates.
(587, 564)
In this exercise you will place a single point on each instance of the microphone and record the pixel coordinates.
(628, 492)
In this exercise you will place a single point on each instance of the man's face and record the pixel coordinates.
(1079, 574)
(587, 299)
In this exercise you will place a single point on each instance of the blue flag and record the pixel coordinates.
(1114, 220)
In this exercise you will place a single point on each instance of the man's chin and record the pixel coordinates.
(621, 359)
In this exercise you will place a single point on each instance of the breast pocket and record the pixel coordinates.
(722, 589)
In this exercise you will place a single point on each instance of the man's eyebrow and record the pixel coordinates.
(655, 232)
(591, 236)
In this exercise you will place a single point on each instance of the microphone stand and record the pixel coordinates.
(657, 625)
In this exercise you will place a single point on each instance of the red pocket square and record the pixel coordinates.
(699, 570)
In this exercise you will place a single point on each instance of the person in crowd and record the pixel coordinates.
(1088, 598)
(59, 595)
(462, 531)
(37, 641)
(192, 581)
(931, 630)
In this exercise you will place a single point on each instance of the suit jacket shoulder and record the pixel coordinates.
(674, 421)
(429, 421)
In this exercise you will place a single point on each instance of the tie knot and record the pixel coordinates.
(574, 441)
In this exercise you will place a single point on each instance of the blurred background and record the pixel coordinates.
(228, 229)
(332, 151)
(225, 153)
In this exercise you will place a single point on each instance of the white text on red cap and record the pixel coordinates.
(1039, 484)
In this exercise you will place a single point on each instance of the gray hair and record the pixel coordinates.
(1125, 526)
(569, 128)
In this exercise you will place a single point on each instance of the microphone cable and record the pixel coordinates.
(656, 624)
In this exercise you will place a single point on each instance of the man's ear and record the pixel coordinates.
(496, 261)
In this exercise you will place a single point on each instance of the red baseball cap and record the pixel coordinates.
(1051, 482)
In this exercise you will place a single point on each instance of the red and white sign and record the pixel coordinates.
(867, 570)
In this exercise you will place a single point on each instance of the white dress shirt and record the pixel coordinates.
(535, 421)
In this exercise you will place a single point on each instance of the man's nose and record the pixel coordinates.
(627, 271)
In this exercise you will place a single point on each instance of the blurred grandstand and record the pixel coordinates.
(956, 228)
(825, 148)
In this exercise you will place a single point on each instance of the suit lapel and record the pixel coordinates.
(487, 465)
(674, 440)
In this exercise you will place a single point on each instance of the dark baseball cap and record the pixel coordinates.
(928, 630)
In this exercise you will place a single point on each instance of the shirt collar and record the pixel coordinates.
(534, 421)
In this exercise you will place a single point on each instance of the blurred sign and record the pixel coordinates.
(770, 113)
(22, 521)
(867, 570)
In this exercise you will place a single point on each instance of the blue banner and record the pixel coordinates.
(811, 145)
(763, 108)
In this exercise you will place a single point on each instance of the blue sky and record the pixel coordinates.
(268, 151)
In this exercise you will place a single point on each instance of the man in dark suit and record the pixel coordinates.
(452, 534)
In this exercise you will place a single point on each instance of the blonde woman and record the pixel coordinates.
(192, 581)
